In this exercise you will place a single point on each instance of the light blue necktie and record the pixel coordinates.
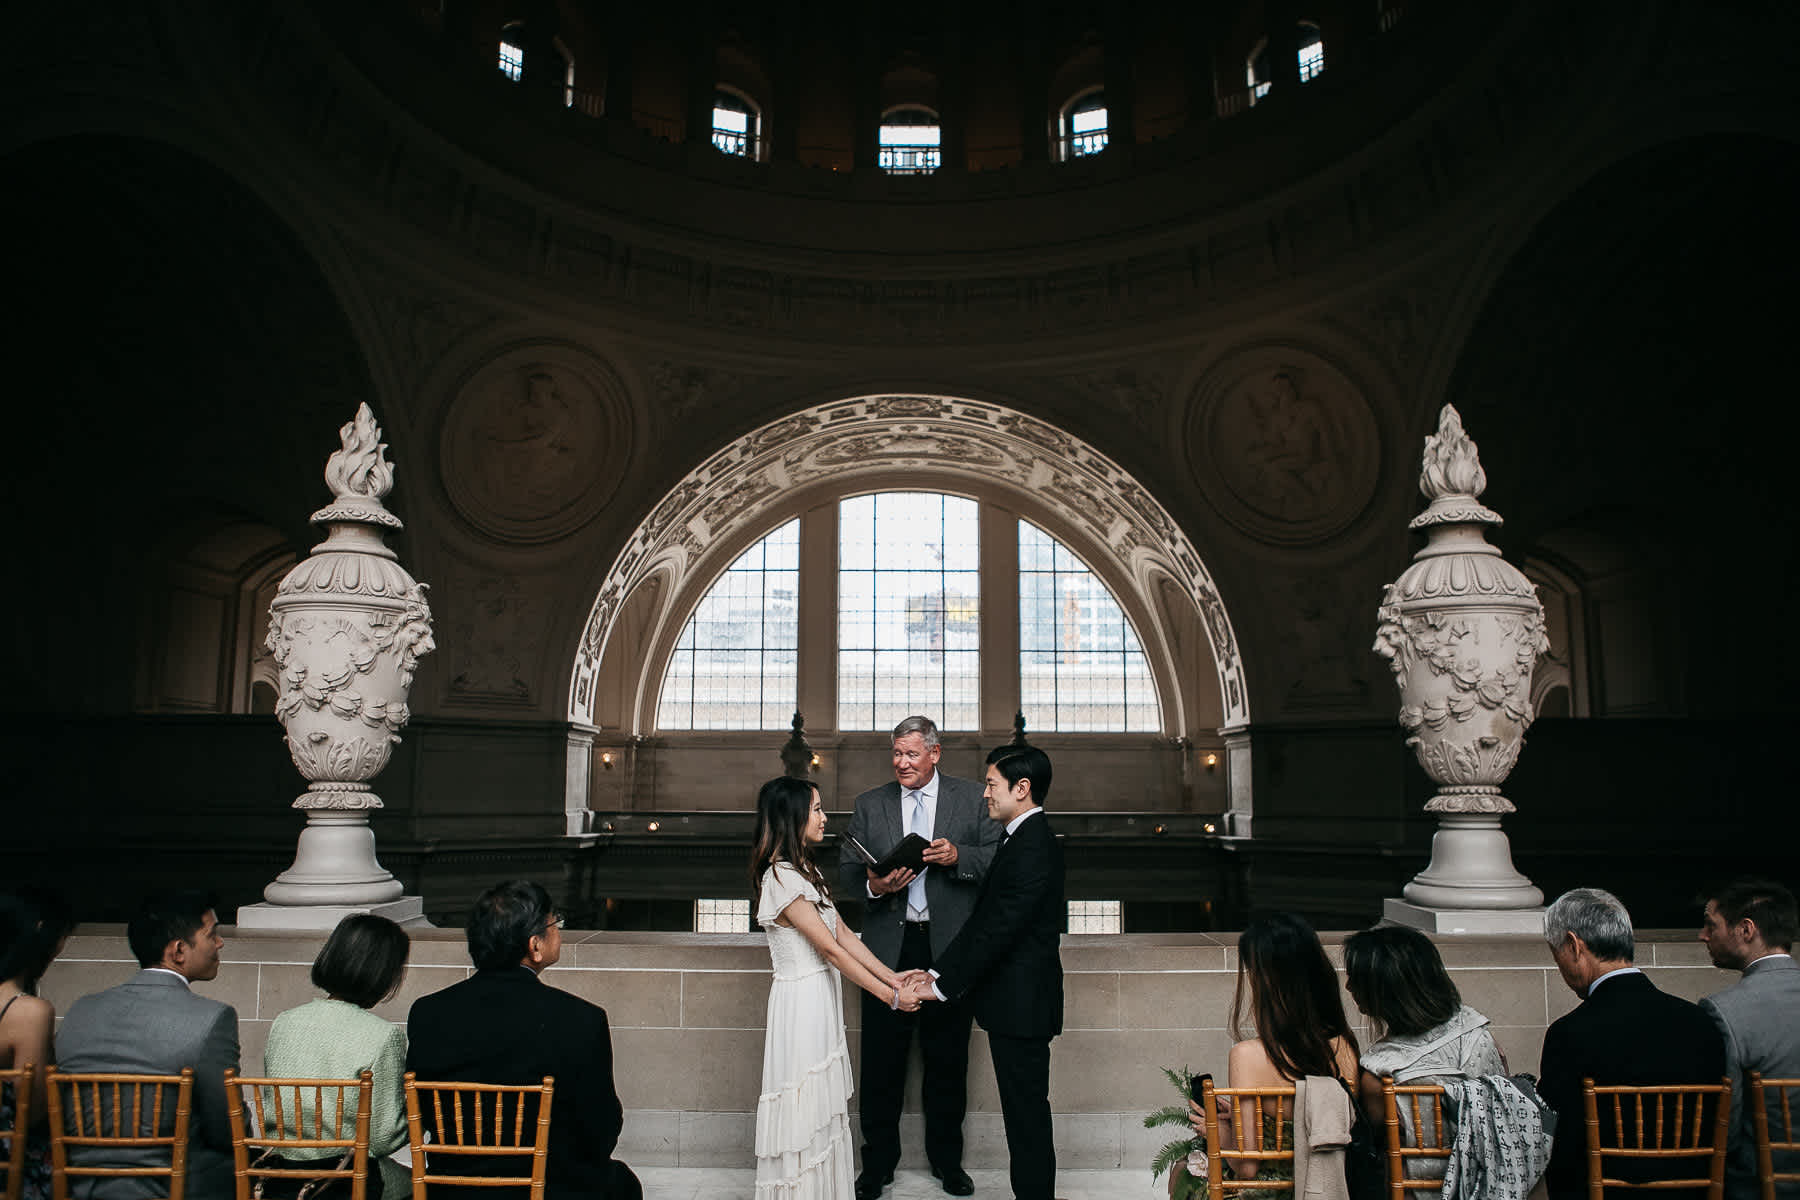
(915, 891)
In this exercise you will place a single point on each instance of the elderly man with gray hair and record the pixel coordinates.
(1624, 1032)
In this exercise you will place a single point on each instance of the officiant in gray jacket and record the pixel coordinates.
(908, 921)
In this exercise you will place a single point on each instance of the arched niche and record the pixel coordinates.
(1014, 463)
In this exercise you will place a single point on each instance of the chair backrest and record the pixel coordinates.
(1259, 1135)
(1657, 1131)
(1424, 1103)
(478, 1121)
(1784, 1136)
(299, 1114)
(19, 1080)
(121, 1114)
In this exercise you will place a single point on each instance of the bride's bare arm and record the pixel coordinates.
(803, 915)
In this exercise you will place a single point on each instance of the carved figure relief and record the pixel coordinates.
(1284, 445)
(534, 443)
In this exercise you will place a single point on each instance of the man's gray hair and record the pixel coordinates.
(925, 727)
(1594, 916)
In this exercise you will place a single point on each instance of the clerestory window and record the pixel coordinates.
(1312, 51)
(735, 122)
(910, 141)
(1084, 125)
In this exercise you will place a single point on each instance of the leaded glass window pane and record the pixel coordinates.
(736, 665)
(1081, 667)
(909, 610)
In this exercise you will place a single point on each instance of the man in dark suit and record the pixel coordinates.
(908, 920)
(154, 1024)
(1750, 926)
(1006, 965)
(504, 1025)
(1624, 1032)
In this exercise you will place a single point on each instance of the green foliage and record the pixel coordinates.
(1174, 1153)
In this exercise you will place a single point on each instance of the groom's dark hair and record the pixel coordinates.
(1016, 762)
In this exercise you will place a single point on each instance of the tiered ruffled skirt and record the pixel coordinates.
(803, 1145)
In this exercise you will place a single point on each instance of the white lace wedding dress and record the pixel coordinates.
(803, 1146)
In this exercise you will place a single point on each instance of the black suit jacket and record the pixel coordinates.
(1005, 963)
(506, 1026)
(1627, 1032)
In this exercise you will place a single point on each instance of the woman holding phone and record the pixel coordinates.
(803, 1143)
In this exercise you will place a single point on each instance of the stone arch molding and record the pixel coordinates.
(869, 437)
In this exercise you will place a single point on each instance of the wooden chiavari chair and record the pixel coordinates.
(1783, 1138)
(281, 1120)
(1257, 1120)
(472, 1120)
(123, 1114)
(1660, 1126)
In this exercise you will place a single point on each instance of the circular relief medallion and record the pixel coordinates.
(1283, 444)
(534, 443)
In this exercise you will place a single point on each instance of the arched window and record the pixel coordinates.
(909, 141)
(1081, 667)
(512, 54)
(1084, 125)
(909, 610)
(735, 124)
(1312, 51)
(1256, 70)
(735, 666)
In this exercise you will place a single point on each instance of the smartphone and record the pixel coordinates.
(1195, 1083)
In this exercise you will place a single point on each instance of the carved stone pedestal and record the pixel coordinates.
(1465, 920)
(408, 910)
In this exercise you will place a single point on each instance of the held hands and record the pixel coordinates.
(919, 990)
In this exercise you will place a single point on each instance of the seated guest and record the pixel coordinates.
(1624, 1032)
(1750, 927)
(504, 1025)
(154, 1024)
(360, 965)
(1291, 993)
(1426, 1034)
(33, 927)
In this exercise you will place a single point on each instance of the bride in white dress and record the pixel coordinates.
(803, 1143)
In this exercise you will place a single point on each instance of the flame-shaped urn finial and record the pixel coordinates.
(1462, 629)
(347, 628)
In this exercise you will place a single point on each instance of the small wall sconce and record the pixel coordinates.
(606, 759)
(1211, 761)
(1161, 829)
(654, 826)
(1210, 827)
(815, 762)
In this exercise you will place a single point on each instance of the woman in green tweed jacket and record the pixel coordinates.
(361, 965)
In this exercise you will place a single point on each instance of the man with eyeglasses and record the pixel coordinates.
(504, 1025)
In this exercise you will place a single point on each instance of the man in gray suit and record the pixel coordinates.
(153, 1024)
(1749, 927)
(909, 920)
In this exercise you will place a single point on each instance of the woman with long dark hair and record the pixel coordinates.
(1424, 1032)
(1289, 989)
(803, 1145)
(34, 924)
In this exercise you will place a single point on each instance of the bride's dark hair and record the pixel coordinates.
(783, 810)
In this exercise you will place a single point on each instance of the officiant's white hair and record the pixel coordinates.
(925, 727)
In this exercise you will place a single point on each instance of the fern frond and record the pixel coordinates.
(1171, 1154)
(1178, 1082)
(1166, 1116)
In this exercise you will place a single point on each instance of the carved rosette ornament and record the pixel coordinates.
(1462, 629)
(347, 628)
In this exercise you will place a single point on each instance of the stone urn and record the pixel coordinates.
(347, 628)
(1462, 629)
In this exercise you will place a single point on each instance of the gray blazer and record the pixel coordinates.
(1760, 1019)
(152, 1024)
(879, 825)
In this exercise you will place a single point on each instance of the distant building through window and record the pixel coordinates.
(512, 59)
(910, 141)
(1081, 668)
(734, 124)
(1084, 126)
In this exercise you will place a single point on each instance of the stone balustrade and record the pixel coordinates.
(687, 1018)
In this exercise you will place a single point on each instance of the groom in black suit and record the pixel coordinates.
(1005, 963)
